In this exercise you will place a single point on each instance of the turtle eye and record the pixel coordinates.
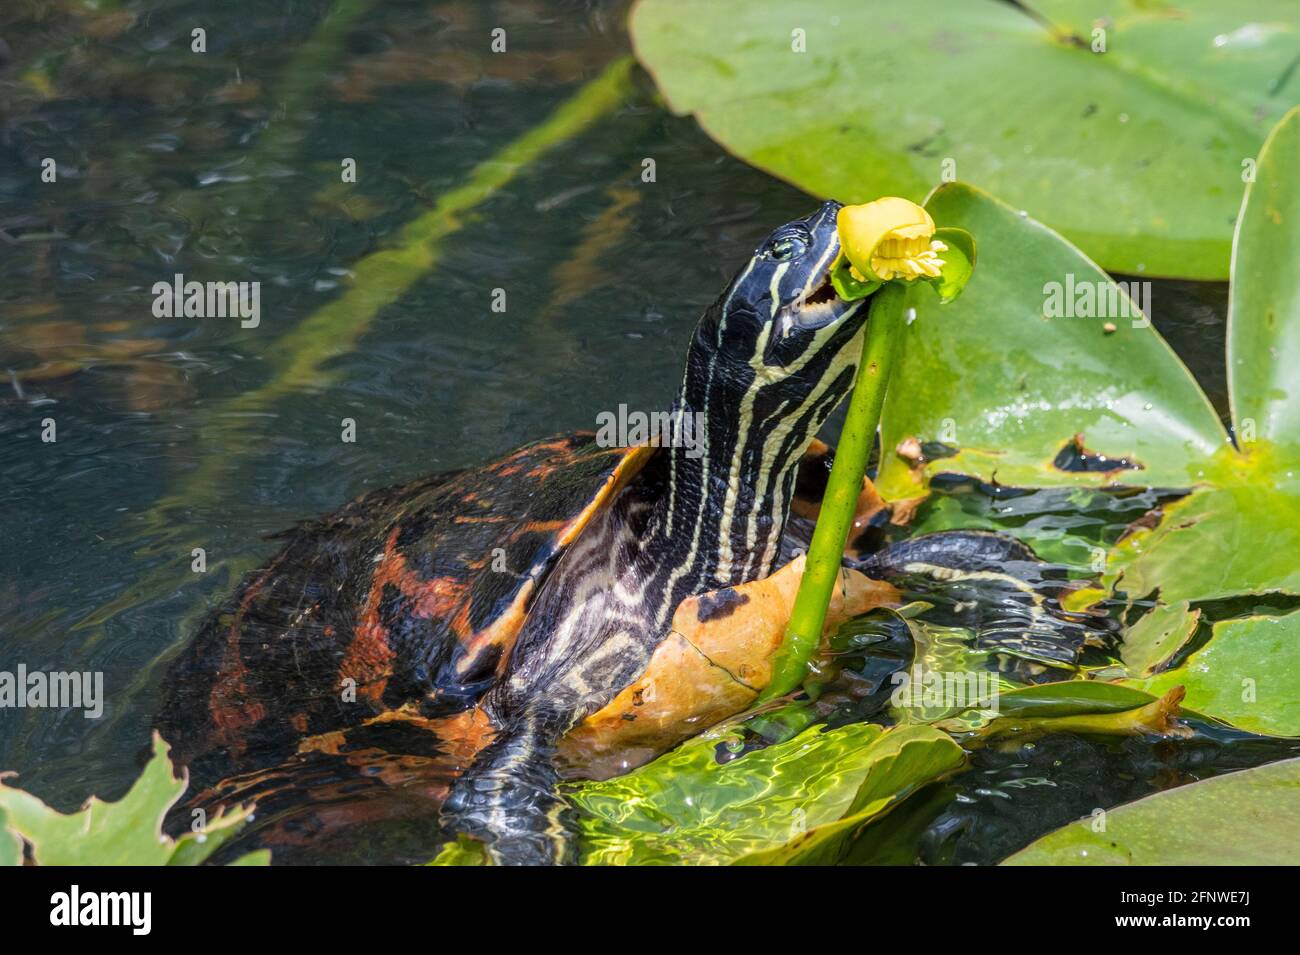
(783, 248)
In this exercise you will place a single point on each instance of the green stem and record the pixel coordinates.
(839, 505)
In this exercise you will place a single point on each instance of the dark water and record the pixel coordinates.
(225, 165)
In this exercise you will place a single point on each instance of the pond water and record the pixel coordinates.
(172, 433)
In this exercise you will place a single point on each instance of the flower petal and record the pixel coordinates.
(901, 227)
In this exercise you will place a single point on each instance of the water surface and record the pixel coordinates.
(225, 165)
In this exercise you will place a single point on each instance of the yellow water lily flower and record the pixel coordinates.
(890, 238)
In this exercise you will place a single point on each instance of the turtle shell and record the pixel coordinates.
(409, 598)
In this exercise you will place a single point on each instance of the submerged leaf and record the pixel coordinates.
(905, 759)
(1071, 698)
(462, 851)
(1156, 718)
(687, 807)
(1074, 706)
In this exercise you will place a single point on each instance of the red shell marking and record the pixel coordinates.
(407, 596)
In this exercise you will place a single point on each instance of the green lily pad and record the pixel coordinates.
(1264, 310)
(1006, 386)
(1134, 153)
(1240, 532)
(1070, 706)
(1155, 639)
(126, 832)
(793, 802)
(1246, 818)
(1208, 545)
(1247, 674)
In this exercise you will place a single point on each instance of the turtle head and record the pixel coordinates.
(769, 361)
(779, 328)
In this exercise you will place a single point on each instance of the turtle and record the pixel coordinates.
(573, 608)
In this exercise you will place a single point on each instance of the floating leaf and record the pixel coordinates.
(1246, 818)
(1008, 387)
(1207, 547)
(1264, 308)
(1134, 153)
(1071, 698)
(1151, 642)
(1155, 718)
(126, 832)
(1247, 674)
(1075, 706)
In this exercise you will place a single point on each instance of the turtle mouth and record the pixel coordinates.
(823, 294)
(820, 304)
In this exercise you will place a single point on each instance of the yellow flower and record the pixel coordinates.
(888, 239)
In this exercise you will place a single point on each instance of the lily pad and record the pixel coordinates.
(1134, 151)
(796, 801)
(126, 832)
(995, 379)
(1246, 818)
(1157, 637)
(1264, 310)
(1248, 674)
(995, 400)
(1208, 545)
(1075, 706)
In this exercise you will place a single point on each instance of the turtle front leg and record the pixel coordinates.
(508, 798)
(995, 584)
